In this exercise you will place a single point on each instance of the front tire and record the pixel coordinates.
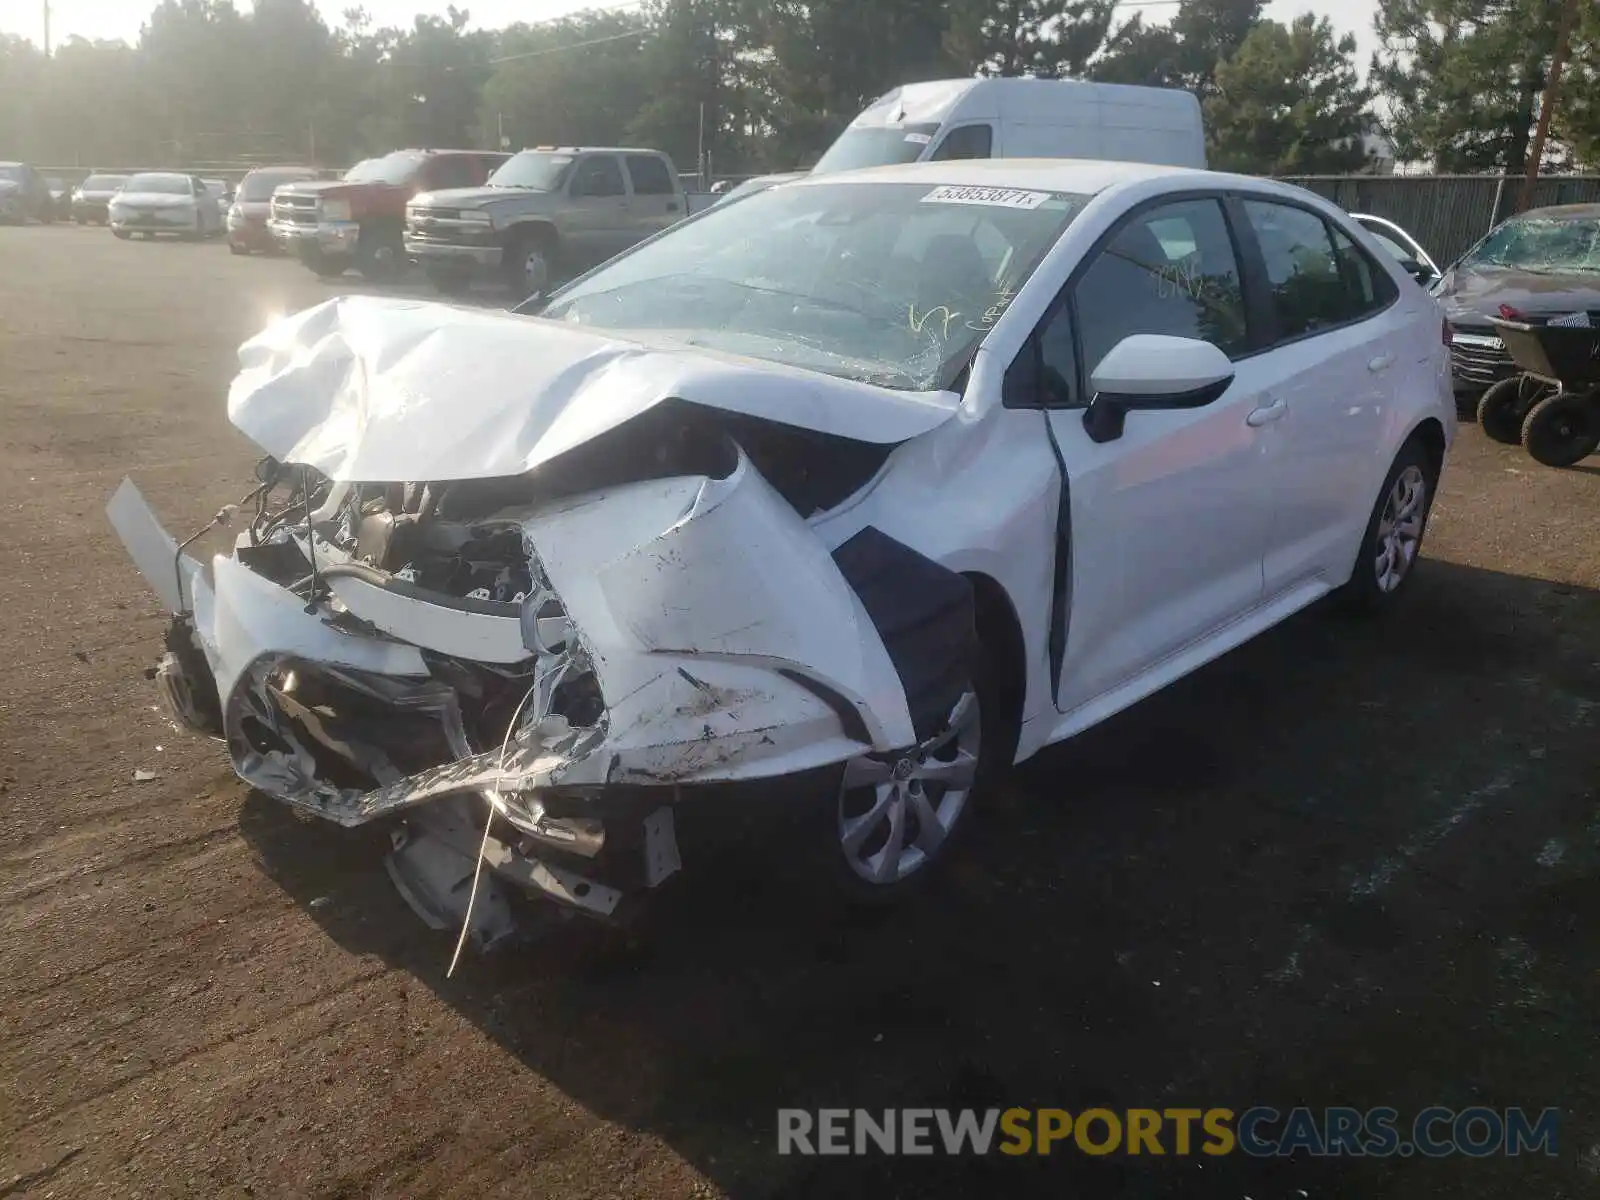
(895, 819)
(1505, 405)
(1562, 429)
(380, 255)
(527, 265)
(1392, 541)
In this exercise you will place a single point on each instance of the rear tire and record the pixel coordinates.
(1391, 544)
(1502, 409)
(1563, 429)
(121, 234)
(235, 248)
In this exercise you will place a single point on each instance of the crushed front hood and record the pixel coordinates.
(372, 389)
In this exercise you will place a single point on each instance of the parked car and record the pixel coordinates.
(92, 197)
(165, 202)
(1539, 264)
(1402, 247)
(359, 221)
(24, 194)
(872, 484)
(252, 207)
(221, 190)
(542, 213)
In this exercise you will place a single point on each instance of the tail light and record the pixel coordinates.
(1446, 331)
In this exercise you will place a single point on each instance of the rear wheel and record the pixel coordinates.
(1393, 538)
(1502, 409)
(123, 234)
(1562, 429)
(235, 248)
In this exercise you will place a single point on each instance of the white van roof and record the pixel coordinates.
(1028, 99)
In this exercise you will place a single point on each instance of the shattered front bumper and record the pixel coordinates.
(712, 667)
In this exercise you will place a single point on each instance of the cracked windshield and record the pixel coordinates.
(893, 284)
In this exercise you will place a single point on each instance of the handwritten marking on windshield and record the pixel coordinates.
(1003, 298)
(917, 323)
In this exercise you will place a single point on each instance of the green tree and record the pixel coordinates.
(829, 58)
(1047, 38)
(580, 83)
(1463, 78)
(1289, 102)
(1184, 53)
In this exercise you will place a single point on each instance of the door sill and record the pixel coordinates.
(1181, 662)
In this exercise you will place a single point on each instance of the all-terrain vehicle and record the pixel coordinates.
(1553, 407)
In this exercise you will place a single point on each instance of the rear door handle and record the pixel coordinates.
(1267, 415)
(1382, 363)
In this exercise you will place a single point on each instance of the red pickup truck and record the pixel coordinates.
(359, 221)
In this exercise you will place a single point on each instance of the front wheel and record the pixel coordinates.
(896, 817)
(1392, 541)
(1504, 406)
(324, 266)
(527, 266)
(1562, 429)
(380, 255)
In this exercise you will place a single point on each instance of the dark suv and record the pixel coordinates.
(23, 194)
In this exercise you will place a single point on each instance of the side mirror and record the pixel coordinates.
(1151, 371)
(1422, 274)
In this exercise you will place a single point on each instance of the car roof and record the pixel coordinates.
(592, 150)
(1564, 210)
(1084, 176)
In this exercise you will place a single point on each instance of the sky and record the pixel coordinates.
(122, 18)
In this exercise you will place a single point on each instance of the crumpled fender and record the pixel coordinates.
(711, 611)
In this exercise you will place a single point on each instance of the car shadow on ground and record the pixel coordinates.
(1347, 864)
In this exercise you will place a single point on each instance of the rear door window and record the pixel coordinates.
(650, 175)
(1319, 277)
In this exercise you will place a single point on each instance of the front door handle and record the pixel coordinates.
(1267, 415)
(1382, 363)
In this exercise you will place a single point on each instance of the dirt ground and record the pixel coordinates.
(1347, 864)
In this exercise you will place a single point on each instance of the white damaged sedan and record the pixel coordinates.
(873, 483)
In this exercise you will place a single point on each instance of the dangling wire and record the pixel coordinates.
(500, 778)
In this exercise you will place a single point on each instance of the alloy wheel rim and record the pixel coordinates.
(1399, 534)
(895, 813)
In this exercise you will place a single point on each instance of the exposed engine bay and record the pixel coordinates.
(564, 652)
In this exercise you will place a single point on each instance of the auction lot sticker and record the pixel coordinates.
(950, 193)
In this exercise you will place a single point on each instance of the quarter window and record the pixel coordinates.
(969, 141)
(1319, 277)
